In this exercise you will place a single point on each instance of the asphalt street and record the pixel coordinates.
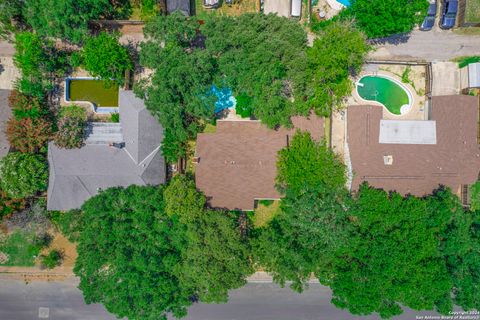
(255, 301)
(430, 46)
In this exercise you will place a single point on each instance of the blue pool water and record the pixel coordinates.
(346, 3)
(225, 100)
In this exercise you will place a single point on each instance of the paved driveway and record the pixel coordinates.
(429, 46)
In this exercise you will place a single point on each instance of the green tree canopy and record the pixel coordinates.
(23, 175)
(382, 18)
(10, 10)
(104, 57)
(261, 57)
(308, 163)
(65, 19)
(128, 250)
(338, 53)
(393, 257)
(216, 258)
(303, 238)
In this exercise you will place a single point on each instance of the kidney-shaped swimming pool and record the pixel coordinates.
(391, 94)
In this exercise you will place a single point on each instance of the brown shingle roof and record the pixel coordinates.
(237, 163)
(417, 169)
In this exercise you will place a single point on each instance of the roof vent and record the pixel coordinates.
(388, 160)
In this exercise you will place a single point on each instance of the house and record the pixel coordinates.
(5, 114)
(236, 165)
(415, 157)
(78, 174)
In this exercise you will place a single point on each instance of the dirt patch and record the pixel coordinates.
(62, 244)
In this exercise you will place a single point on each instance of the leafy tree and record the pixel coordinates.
(337, 53)
(393, 256)
(127, 241)
(28, 135)
(303, 238)
(183, 199)
(23, 175)
(39, 62)
(104, 57)
(65, 19)
(215, 258)
(247, 62)
(188, 58)
(10, 10)
(308, 163)
(461, 248)
(382, 18)
(24, 106)
(183, 74)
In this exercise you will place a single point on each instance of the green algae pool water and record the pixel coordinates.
(383, 90)
(94, 91)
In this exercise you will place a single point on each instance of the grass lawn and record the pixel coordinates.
(264, 213)
(465, 61)
(20, 249)
(472, 11)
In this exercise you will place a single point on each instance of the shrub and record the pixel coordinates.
(244, 106)
(28, 135)
(23, 175)
(70, 133)
(115, 117)
(73, 111)
(42, 240)
(24, 106)
(9, 205)
(52, 259)
(475, 196)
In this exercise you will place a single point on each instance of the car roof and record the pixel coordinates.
(432, 9)
(452, 6)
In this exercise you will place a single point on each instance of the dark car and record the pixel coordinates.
(429, 20)
(449, 16)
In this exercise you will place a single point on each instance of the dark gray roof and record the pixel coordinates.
(183, 5)
(5, 114)
(141, 132)
(78, 174)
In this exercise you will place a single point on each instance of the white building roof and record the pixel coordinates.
(474, 75)
(407, 132)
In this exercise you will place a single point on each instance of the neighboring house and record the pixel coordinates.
(236, 165)
(415, 157)
(185, 6)
(78, 174)
(5, 114)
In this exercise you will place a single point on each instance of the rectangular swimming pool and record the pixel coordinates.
(99, 93)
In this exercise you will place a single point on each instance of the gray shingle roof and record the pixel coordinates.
(78, 174)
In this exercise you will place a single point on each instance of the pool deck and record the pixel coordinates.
(417, 111)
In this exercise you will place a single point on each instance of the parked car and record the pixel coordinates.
(450, 9)
(429, 20)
